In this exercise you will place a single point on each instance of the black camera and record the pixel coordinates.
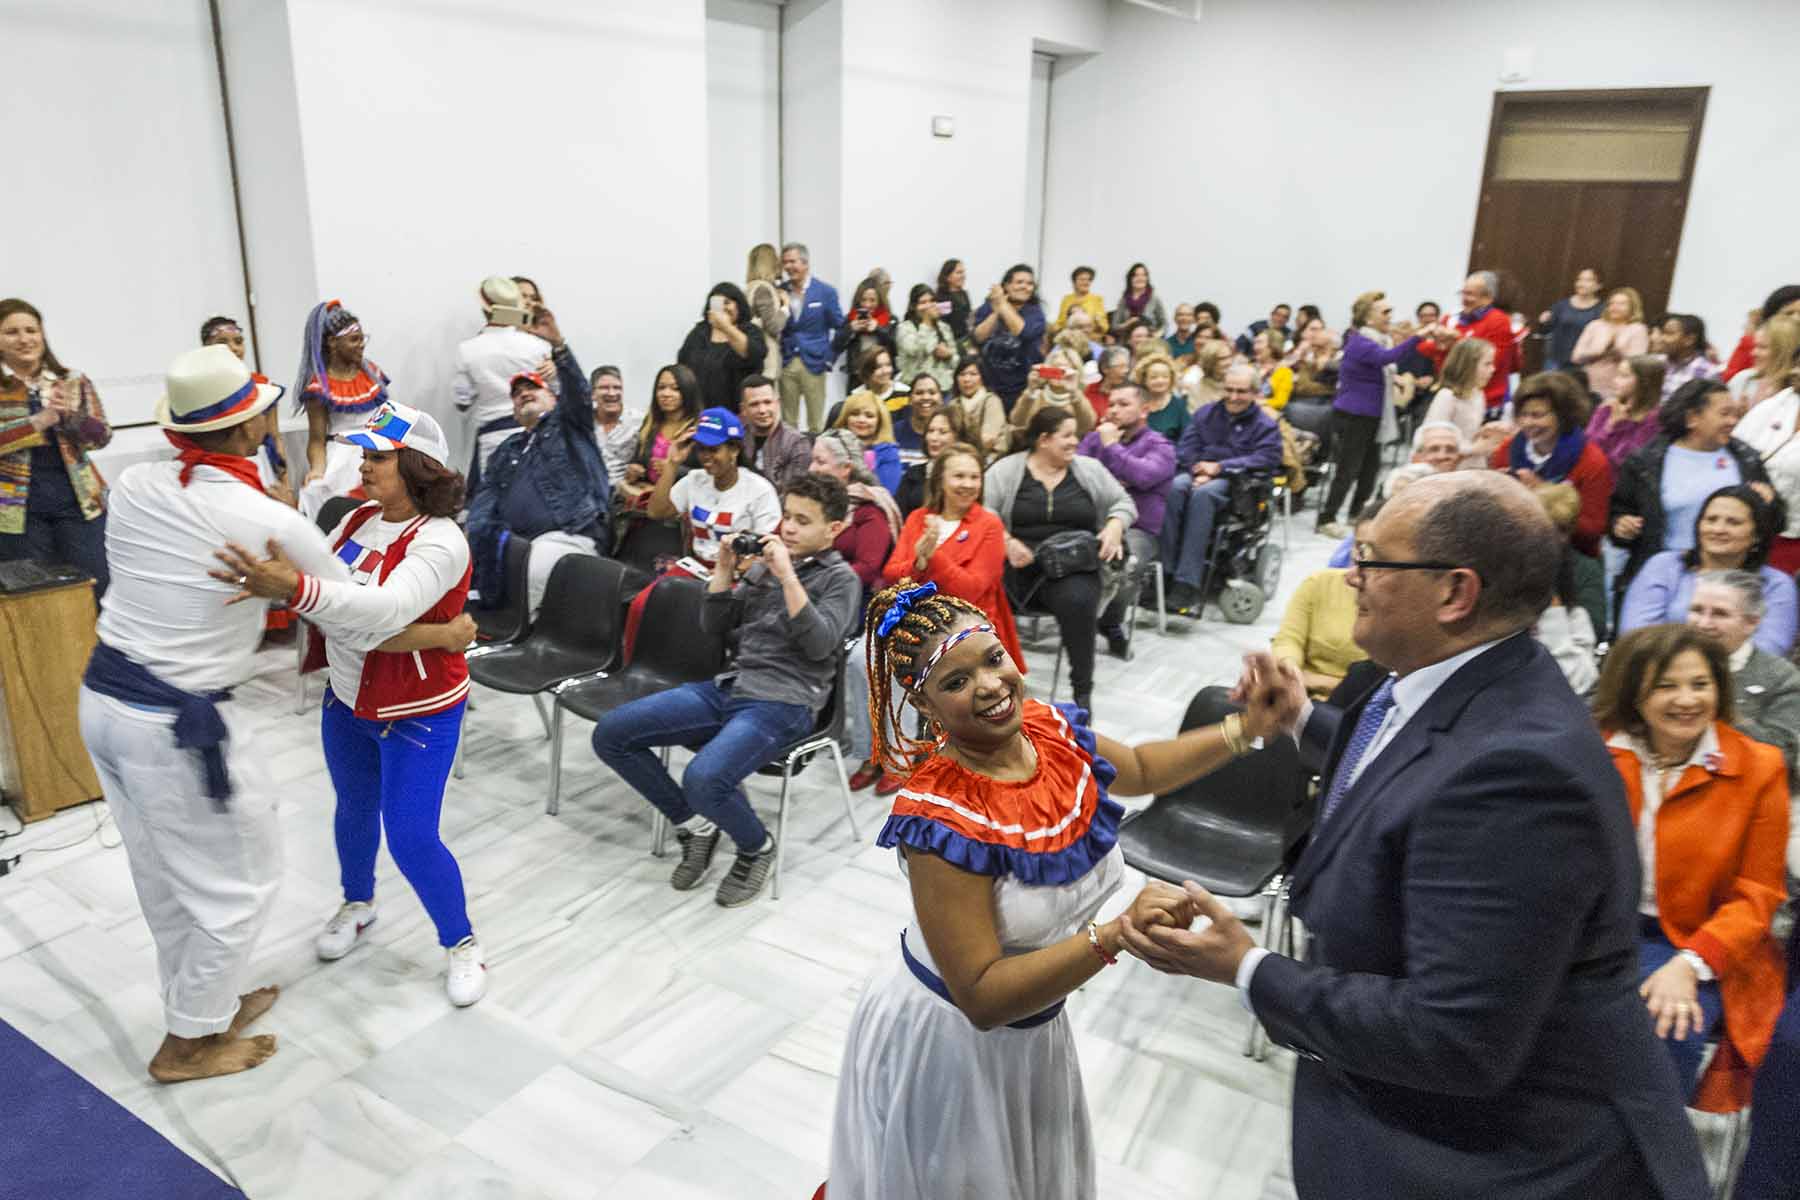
(746, 545)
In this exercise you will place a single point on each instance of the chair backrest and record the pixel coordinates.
(645, 541)
(582, 609)
(669, 641)
(1266, 788)
(510, 621)
(334, 510)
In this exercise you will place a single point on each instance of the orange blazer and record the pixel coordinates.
(970, 565)
(1721, 846)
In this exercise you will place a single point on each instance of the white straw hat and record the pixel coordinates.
(211, 388)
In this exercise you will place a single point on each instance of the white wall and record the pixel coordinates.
(910, 199)
(445, 142)
(118, 219)
(812, 133)
(742, 130)
(1339, 146)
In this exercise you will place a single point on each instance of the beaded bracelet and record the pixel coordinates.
(1094, 941)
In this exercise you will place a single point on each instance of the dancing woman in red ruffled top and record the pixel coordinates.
(960, 1077)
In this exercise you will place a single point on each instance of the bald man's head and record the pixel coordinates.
(1492, 524)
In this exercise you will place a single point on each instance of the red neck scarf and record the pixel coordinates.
(191, 454)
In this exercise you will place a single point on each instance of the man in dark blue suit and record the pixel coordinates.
(1467, 1018)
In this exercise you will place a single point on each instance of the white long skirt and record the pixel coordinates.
(931, 1108)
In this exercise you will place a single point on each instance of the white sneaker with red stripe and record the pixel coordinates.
(343, 930)
(466, 980)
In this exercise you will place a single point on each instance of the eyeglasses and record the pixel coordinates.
(1231, 391)
(1362, 562)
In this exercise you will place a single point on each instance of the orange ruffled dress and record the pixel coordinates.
(928, 1105)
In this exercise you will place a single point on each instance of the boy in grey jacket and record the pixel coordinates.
(793, 604)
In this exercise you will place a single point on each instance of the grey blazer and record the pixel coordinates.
(1767, 696)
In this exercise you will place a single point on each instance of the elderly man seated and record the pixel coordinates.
(1726, 606)
(1442, 447)
(1226, 438)
(546, 482)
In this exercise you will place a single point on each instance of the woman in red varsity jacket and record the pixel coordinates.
(391, 719)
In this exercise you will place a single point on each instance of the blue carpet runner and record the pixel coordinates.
(65, 1139)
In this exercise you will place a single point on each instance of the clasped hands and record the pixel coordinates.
(1158, 928)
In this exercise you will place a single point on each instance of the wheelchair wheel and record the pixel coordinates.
(1267, 574)
(1241, 601)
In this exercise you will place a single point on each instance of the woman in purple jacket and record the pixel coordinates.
(1363, 380)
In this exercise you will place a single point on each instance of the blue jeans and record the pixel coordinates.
(733, 738)
(392, 774)
(1653, 951)
(1188, 525)
(1772, 1165)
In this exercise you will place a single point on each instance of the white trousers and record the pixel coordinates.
(206, 879)
(548, 549)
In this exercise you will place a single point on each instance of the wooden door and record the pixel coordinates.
(1586, 179)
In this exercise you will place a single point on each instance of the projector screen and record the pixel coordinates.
(119, 222)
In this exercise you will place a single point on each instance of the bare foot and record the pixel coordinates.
(252, 1005)
(179, 1059)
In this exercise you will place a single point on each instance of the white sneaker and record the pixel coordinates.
(343, 930)
(466, 980)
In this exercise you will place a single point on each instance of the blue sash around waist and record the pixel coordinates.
(929, 978)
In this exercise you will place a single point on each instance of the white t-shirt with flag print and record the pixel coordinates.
(713, 516)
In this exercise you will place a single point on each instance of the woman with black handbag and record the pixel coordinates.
(1065, 519)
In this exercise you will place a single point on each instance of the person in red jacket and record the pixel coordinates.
(1481, 317)
(1551, 412)
(1783, 301)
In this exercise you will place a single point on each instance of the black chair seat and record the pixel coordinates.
(534, 666)
(1176, 842)
(592, 698)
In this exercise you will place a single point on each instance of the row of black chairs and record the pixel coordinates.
(571, 660)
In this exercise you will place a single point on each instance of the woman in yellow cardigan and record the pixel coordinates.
(1315, 633)
(1083, 297)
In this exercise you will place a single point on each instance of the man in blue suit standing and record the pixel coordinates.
(1467, 1019)
(806, 354)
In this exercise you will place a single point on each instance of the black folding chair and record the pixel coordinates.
(331, 513)
(644, 542)
(1235, 832)
(577, 633)
(510, 620)
(671, 650)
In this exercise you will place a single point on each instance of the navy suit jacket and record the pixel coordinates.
(1468, 1019)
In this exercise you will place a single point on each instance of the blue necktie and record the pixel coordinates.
(1361, 738)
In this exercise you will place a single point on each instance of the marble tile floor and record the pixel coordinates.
(635, 1041)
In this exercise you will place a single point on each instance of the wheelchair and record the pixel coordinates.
(1243, 565)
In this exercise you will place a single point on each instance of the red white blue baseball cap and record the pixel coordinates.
(718, 426)
(395, 425)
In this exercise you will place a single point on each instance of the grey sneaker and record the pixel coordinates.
(748, 874)
(696, 855)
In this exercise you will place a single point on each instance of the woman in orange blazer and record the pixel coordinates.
(1711, 810)
(957, 544)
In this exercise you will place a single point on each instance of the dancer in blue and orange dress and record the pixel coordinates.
(960, 1076)
(338, 390)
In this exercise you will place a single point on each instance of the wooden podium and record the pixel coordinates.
(46, 636)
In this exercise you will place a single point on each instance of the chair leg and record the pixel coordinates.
(1256, 1043)
(1162, 612)
(537, 702)
(462, 737)
(553, 803)
(659, 825)
(844, 782)
(1056, 675)
(787, 776)
(299, 665)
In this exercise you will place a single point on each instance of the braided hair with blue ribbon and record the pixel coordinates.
(903, 624)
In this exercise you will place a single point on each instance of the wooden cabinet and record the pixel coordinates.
(45, 639)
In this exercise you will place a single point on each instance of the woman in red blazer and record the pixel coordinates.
(1711, 810)
(955, 543)
(1551, 412)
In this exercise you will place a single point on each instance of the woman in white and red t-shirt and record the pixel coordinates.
(392, 717)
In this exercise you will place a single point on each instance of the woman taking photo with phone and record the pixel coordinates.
(724, 347)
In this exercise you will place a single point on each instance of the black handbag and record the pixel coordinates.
(1070, 552)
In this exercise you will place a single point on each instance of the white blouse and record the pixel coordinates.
(1772, 429)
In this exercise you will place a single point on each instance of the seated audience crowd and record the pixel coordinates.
(1047, 466)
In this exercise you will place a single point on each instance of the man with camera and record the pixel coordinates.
(547, 481)
(487, 363)
(792, 600)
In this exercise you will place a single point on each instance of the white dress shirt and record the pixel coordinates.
(1410, 695)
(486, 364)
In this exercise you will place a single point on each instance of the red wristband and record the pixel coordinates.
(1094, 941)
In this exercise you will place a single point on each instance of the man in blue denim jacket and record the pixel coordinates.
(547, 482)
(814, 317)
